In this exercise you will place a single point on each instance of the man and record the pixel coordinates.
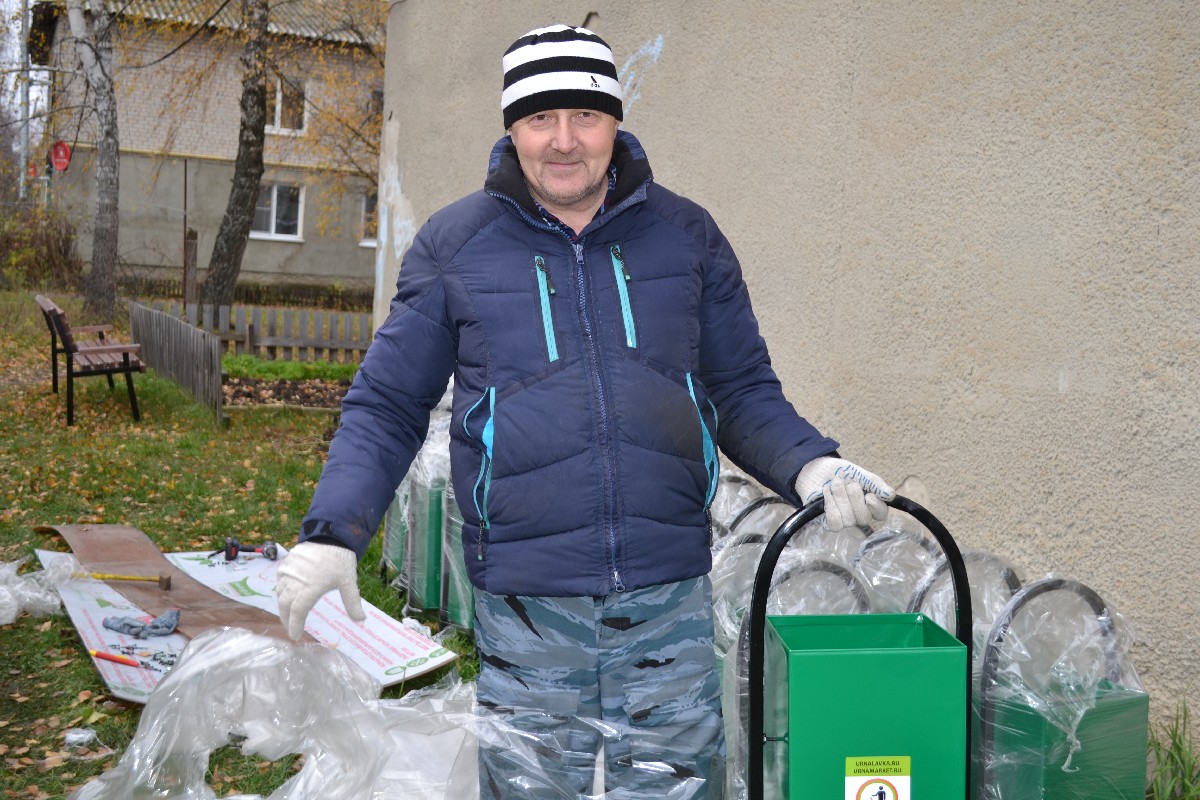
(603, 347)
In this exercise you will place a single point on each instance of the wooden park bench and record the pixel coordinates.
(88, 350)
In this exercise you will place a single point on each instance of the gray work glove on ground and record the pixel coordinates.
(309, 570)
(852, 495)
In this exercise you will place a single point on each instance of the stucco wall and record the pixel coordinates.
(970, 233)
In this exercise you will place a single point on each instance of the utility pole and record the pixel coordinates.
(23, 190)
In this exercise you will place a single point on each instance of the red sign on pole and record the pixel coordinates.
(31, 171)
(60, 156)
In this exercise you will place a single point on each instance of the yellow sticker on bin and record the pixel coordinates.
(878, 777)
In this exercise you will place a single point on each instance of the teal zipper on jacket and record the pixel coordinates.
(711, 462)
(621, 272)
(484, 480)
(545, 291)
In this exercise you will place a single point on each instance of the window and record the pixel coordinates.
(278, 212)
(285, 106)
(370, 218)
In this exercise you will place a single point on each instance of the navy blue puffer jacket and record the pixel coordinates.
(594, 380)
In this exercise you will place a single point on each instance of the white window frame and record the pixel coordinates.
(282, 237)
(368, 241)
(273, 125)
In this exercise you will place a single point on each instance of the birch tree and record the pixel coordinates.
(92, 34)
(230, 245)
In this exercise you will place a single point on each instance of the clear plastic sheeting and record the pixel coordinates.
(433, 749)
(458, 596)
(271, 696)
(35, 593)
(795, 582)
(993, 581)
(807, 585)
(1061, 710)
(395, 534)
(427, 478)
(894, 560)
(735, 491)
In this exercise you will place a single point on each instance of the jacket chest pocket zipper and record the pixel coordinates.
(545, 292)
(621, 273)
(483, 483)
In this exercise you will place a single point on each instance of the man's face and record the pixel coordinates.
(565, 155)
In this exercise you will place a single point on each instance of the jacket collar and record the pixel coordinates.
(505, 179)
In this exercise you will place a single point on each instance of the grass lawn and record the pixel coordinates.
(175, 475)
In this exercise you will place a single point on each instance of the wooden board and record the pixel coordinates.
(123, 550)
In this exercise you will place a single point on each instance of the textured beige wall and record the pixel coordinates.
(970, 232)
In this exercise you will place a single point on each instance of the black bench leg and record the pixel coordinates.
(111, 385)
(54, 367)
(132, 397)
(70, 394)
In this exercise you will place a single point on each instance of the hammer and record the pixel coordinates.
(234, 548)
(163, 581)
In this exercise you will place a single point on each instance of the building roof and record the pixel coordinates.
(321, 20)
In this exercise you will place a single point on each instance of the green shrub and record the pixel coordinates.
(37, 249)
(246, 366)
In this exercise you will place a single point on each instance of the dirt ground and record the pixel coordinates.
(313, 394)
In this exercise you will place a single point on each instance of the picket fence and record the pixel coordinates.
(186, 343)
(288, 334)
(184, 353)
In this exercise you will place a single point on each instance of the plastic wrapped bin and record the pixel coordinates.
(395, 535)
(427, 478)
(1062, 715)
(458, 596)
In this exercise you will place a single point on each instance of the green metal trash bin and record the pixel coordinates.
(424, 552)
(879, 708)
(1071, 739)
(870, 707)
(458, 595)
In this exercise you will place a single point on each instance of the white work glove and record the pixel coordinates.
(308, 571)
(853, 496)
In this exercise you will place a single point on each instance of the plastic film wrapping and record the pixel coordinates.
(735, 491)
(395, 533)
(272, 696)
(1060, 709)
(276, 698)
(458, 596)
(36, 593)
(893, 561)
(735, 563)
(433, 748)
(806, 585)
(427, 477)
(993, 581)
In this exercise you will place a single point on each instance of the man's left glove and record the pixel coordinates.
(309, 570)
(852, 495)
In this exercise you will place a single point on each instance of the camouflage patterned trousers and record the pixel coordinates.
(635, 671)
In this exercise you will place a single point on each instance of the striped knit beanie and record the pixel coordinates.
(559, 67)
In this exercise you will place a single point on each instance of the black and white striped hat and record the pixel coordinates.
(559, 67)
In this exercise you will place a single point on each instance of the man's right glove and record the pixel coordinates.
(852, 495)
(309, 570)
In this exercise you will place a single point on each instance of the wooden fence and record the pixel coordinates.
(280, 333)
(186, 354)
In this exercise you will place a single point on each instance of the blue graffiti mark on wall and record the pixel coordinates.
(634, 70)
